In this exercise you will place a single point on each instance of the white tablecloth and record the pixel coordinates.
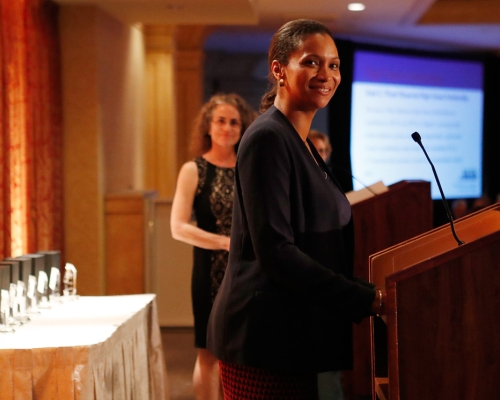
(106, 347)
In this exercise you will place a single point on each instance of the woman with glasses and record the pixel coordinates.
(205, 191)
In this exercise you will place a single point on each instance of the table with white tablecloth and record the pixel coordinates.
(90, 348)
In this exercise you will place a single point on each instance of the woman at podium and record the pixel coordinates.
(285, 308)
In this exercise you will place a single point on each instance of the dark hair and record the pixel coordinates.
(201, 142)
(284, 42)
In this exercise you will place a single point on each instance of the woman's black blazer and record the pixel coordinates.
(288, 298)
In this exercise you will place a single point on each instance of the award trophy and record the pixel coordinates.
(54, 285)
(21, 296)
(5, 312)
(42, 290)
(70, 274)
(13, 319)
(31, 296)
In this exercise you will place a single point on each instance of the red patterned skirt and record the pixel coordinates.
(241, 382)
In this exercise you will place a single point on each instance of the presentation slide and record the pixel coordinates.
(394, 96)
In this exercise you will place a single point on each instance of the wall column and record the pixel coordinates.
(189, 83)
(83, 155)
(161, 111)
(103, 96)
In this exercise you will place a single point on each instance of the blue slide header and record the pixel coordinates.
(413, 70)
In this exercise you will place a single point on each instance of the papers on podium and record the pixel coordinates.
(355, 196)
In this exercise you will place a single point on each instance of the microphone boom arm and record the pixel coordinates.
(416, 137)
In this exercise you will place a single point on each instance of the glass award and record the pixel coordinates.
(69, 280)
(42, 290)
(5, 312)
(13, 319)
(21, 295)
(54, 285)
(31, 296)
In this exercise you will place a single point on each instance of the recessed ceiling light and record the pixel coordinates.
(356, 7)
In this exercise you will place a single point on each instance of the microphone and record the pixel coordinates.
(416, 137)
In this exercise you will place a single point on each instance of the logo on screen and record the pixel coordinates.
(469, 174)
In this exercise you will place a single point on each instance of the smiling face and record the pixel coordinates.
(225, 126)
(312, 74)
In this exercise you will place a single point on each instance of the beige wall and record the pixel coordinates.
(170, 275)
(120, 55)
(113, 129)
(102, 75)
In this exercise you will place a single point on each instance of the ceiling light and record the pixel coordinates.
(356, 7)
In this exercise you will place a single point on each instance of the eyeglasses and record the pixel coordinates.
(233, 123)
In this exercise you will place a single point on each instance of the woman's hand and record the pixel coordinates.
(182, 209)
(225, 242)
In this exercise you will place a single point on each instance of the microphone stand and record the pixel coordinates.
(416, 137)
(345, 171)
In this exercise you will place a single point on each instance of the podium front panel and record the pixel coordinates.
(381, 222)
(447, 324)
(442, 313)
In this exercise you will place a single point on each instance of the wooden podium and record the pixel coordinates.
(441, 337)
(404, 211)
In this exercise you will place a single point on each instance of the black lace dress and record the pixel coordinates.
(213, 204)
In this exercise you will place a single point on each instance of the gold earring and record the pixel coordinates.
(281, 82)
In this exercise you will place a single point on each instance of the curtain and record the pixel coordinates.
(30, 128)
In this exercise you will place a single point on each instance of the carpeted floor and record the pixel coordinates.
(180, 355)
